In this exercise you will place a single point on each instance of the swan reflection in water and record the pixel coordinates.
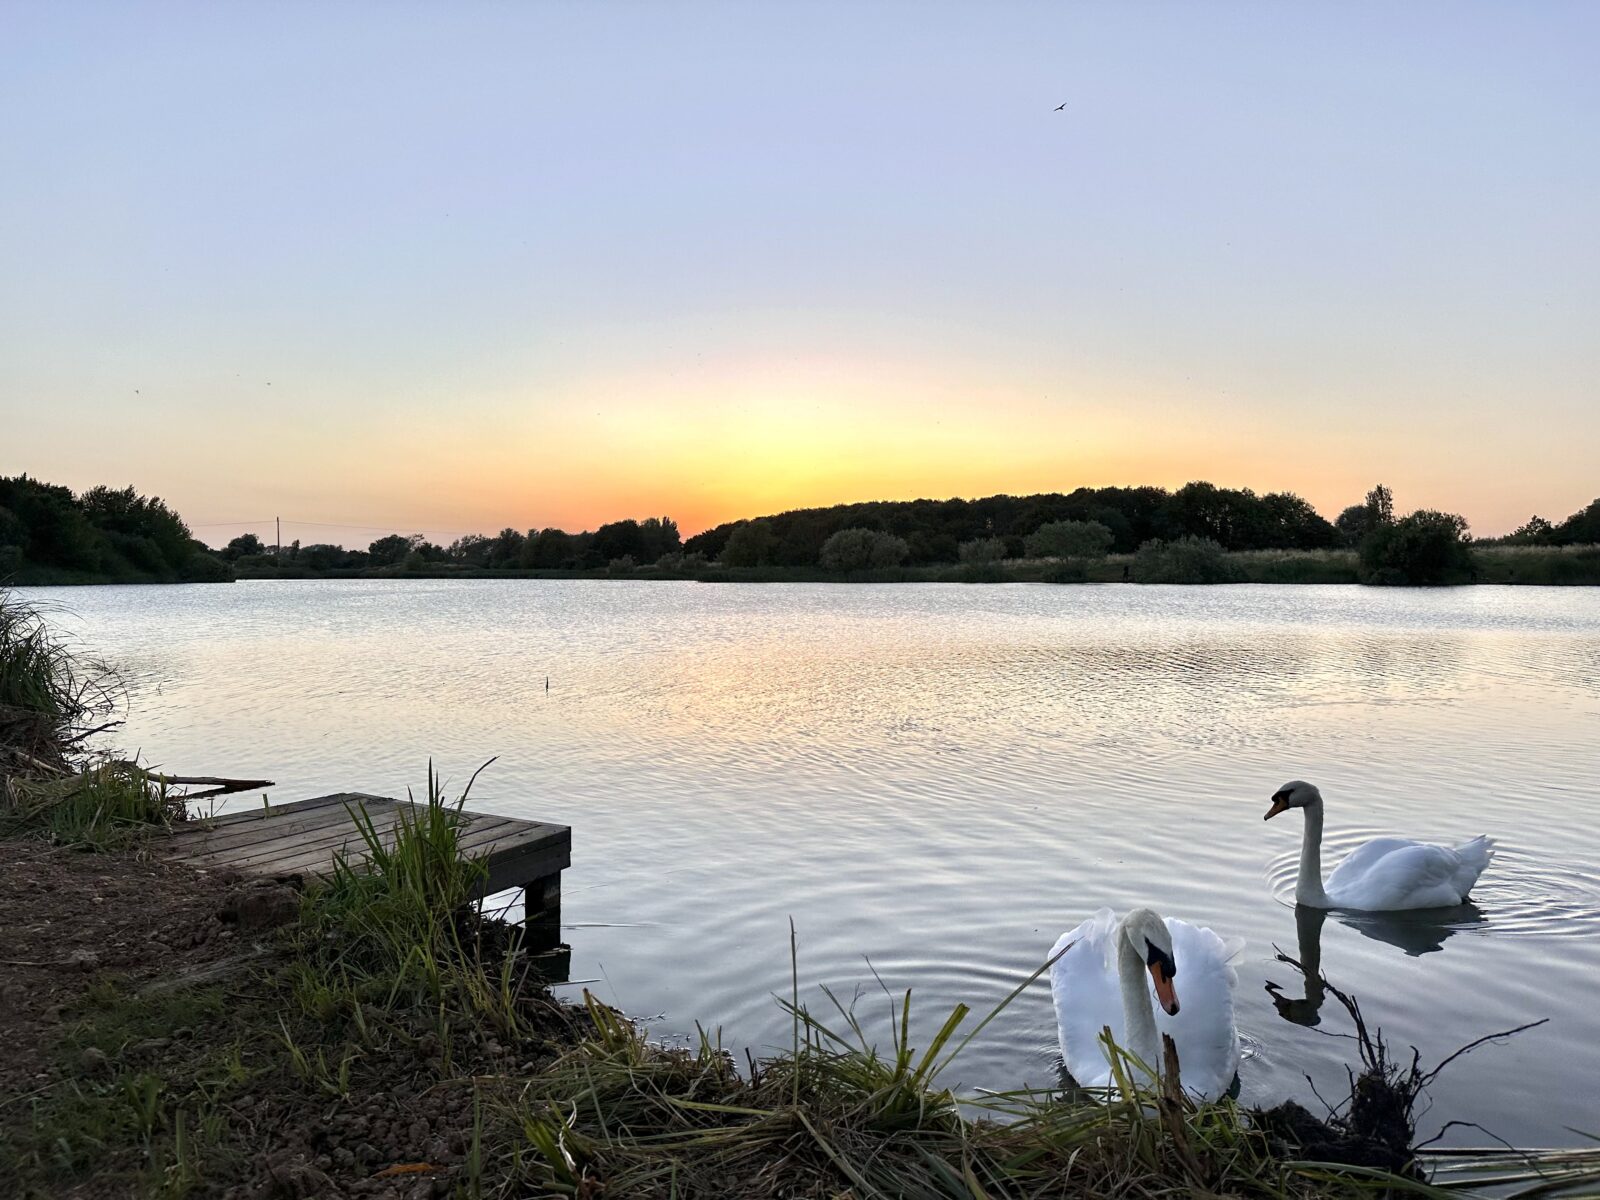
(1416, 931)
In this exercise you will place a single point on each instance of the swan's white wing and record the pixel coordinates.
(1087, 996)
(1208, 1042)
(1388, 874)
(1474, 856)
(1363, 858)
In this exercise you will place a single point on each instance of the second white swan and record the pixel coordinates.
(1384, 875)
(1099, 980)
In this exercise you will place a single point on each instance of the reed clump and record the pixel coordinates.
(52, 696)
(835, 1117)
(401, 926)
(101, 805)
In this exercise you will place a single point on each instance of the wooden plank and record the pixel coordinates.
(263, 814)
(355, 846)
(480, 831)
(316, 857)
(270, 842)
(515, 870)
(501, 845)
(262, 831)
(527, 835)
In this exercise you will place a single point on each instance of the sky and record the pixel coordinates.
(452, 267)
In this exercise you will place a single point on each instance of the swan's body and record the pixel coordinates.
(1100, 980)
(1384, 875)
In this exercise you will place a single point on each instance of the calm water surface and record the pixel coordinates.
(939, 779)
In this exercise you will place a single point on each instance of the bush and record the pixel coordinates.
(246, 545)
(621, 566)
(751, 544)
(679, 563)
(1186, 560)
(1425, 549)
(1069, 539)
(859, 549)
(982, 551)
(206, 568)
(1065, 572)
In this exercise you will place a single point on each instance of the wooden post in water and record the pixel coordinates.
(541, 909)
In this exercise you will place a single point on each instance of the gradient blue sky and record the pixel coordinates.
(457, 266)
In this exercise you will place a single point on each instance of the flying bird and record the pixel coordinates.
(1059, 107)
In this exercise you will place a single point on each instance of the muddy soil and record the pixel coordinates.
(118, 969)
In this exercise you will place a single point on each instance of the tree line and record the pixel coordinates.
(119, 534)
(617, 545)
(109, 534)
(934, 530)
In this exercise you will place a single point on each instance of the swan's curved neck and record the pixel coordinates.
(1308, 889)
(1139, 1034)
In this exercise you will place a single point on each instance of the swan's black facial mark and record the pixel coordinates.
(1162, 969)
(1280, 801)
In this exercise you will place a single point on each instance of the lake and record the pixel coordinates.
(942, 778)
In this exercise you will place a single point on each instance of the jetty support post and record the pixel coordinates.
(541, 907)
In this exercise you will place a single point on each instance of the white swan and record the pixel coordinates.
(1091, 992)
(1385, 874)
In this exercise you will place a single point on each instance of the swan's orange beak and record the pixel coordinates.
(1278, 806)
(1165, 992)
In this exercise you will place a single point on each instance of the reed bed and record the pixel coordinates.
(52, 696)
(102, 805)
(835, 1117)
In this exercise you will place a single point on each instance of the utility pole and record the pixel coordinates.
(279, 522)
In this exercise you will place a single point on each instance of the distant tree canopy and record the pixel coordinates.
(933, 530)
(111, 533)
(862, 549)
(1581, 528)
(1425, 548)
(642, 541)
(748, 544)
(243, 546)
(1069, 539)
(1186, 560)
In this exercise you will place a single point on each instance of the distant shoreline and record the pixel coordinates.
(1569, 566)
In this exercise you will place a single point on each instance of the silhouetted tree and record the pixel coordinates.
(1380, 506)
(1536, 531)
(859, 549)
(751, 544)
(550, 550)
(387, 551)
(982, 551)
(506, 549)
(244, 544)
(1186, 560)
(1070, 539)
(1354, 523)
(471, 550)
(1424, 548)
(1582, 527)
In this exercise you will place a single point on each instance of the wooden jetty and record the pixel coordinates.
(305, 837)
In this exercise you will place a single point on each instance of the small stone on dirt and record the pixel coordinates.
(255, 908)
